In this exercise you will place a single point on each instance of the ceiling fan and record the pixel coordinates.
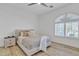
(43, 4)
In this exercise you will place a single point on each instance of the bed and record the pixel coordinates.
(28, 48)
(28, 41)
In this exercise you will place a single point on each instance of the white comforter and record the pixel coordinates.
(31, 43)
(35, 42)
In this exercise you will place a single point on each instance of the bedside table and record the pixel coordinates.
(9, 42)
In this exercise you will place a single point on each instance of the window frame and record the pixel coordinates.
(64, 21)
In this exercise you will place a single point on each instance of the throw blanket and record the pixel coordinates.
(44, 43)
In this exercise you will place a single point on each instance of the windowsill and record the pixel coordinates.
(67, 37)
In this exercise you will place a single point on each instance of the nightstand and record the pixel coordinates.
(9, 42)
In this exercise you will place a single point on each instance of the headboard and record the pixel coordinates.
(22, 32)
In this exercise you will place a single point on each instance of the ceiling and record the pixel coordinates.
(35, 9)
(39, 9)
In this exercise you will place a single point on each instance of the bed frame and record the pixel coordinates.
(25, 50)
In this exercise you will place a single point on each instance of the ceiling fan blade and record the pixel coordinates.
(31, 4)
(51, 6)
(44, 4)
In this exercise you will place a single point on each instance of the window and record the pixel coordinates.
(67, 26)
(59, 29)
(72, 29)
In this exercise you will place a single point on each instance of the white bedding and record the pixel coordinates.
(31, 43)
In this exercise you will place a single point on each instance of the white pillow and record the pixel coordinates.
(33, 34)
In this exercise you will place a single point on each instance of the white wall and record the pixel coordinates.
(47, 24)
(12, 19)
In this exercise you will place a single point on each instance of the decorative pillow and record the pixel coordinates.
(32, 34)
(24, 34)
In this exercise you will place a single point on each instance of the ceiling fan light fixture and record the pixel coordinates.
(38, 3)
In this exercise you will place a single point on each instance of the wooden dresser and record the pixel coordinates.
(9, 42)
